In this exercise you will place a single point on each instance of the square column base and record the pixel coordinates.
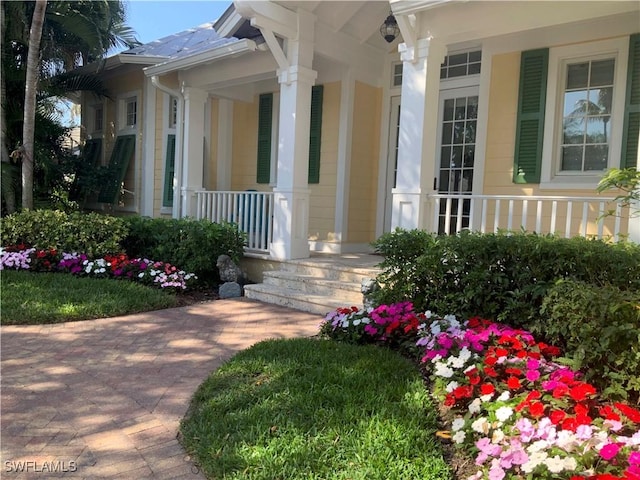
(410, 210)
(290, 224)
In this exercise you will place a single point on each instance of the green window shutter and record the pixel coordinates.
(530, 123)
(169, 170)
(121, 155)
(89, 160)
(631, 130)
(315, 134)
(265, 109)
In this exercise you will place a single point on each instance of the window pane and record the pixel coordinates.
(470, 132)
(475, 56)
(578, 75)
(602, 72)
(459, 59)
(472, 107)
(575, 102)
(446, 133)
(458, 133)
(597, 129)
(600, 99)
(469, 156)
(456, 157)
(459, 71)
(467, 181)
(461, 108)
(445, 157)
(595, 157)
(573, 132)
(444, 181)
(474, 68)
(571, 159)
(448, 109)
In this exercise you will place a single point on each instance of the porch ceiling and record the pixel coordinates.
(360, 20)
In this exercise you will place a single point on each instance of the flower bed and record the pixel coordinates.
(509, 405)
(157, 274)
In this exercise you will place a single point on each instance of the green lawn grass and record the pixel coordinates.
(36, 298)
(315, 409)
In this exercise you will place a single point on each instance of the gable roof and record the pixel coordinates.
(182, 44)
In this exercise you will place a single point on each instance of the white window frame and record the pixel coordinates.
(559, 58)
(169, 128)
(123, 101)
(94, 131)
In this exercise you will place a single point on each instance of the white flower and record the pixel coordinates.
(457, 424)
(474, 407)
(497, 436)
(538, 446)
(555, 464)
(442, 370)
(459, 436)
(486, 398)
(566, 440)
(480, 425)
(356, 322)
(141, 275)
(456, 362)
(503, 413)
(535, 459)
(465, 354)
(451, 386)
(435, 328)
(504, 396)
(570, 464)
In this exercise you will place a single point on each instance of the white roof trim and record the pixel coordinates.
(120, 59)
(407, 7)
(230, 25)
(217, 53)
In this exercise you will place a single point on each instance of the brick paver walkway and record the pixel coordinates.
(104, 398)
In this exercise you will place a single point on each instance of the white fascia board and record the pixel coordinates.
(120, 59)
(407, 7)
(141, 59)
(208, 56)
(230, 24)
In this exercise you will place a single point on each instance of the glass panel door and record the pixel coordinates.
(392, 159)
(457, 125)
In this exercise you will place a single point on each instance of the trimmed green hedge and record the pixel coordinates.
(193, 245)
(91, 233)
(501, 277)
(599, 329)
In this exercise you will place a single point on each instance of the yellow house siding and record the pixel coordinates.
(245, 144)
(364, 163)
(501, 137)
(322, 203)
(159, 146)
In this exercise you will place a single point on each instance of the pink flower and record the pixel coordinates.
(609, 451)
(634, 458)
(532, 375)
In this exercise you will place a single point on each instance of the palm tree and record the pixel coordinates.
(73, 33)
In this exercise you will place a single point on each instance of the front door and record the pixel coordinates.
(454, 169)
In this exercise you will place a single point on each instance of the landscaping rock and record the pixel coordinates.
(230, 290)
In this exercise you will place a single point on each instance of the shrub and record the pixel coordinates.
(91, 233)
(503, 277)
(599, 328)
(192, 245)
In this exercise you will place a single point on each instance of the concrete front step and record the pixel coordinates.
(348, 291)
(330, 272)
(318, 304)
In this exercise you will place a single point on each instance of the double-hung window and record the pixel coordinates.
(573, 111)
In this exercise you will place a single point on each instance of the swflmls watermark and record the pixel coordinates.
(26, 466)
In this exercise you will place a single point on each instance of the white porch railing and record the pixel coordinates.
(565, 216)
(251, 211)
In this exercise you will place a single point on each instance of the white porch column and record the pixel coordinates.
(147, 177)
(418, 138)
(193, 148)
(225, 143)
(291, 194)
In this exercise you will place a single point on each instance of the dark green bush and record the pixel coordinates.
(90, 233)
(192, 245)
(599, 329)
(501, 277)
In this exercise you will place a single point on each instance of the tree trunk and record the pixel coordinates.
(33, 72)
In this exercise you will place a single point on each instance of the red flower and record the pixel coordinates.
(560, 391)
(569, 424)
(581, 391)
(487, 388)
(608, 413)
(533, 395)
(521, 354)
(490, 360)
(557, 416)
(502, 352)
(449, 400)
(513, 383)
(465, 391)
(491, 372)
(631, 413)
(513, 371)
(536, 409)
